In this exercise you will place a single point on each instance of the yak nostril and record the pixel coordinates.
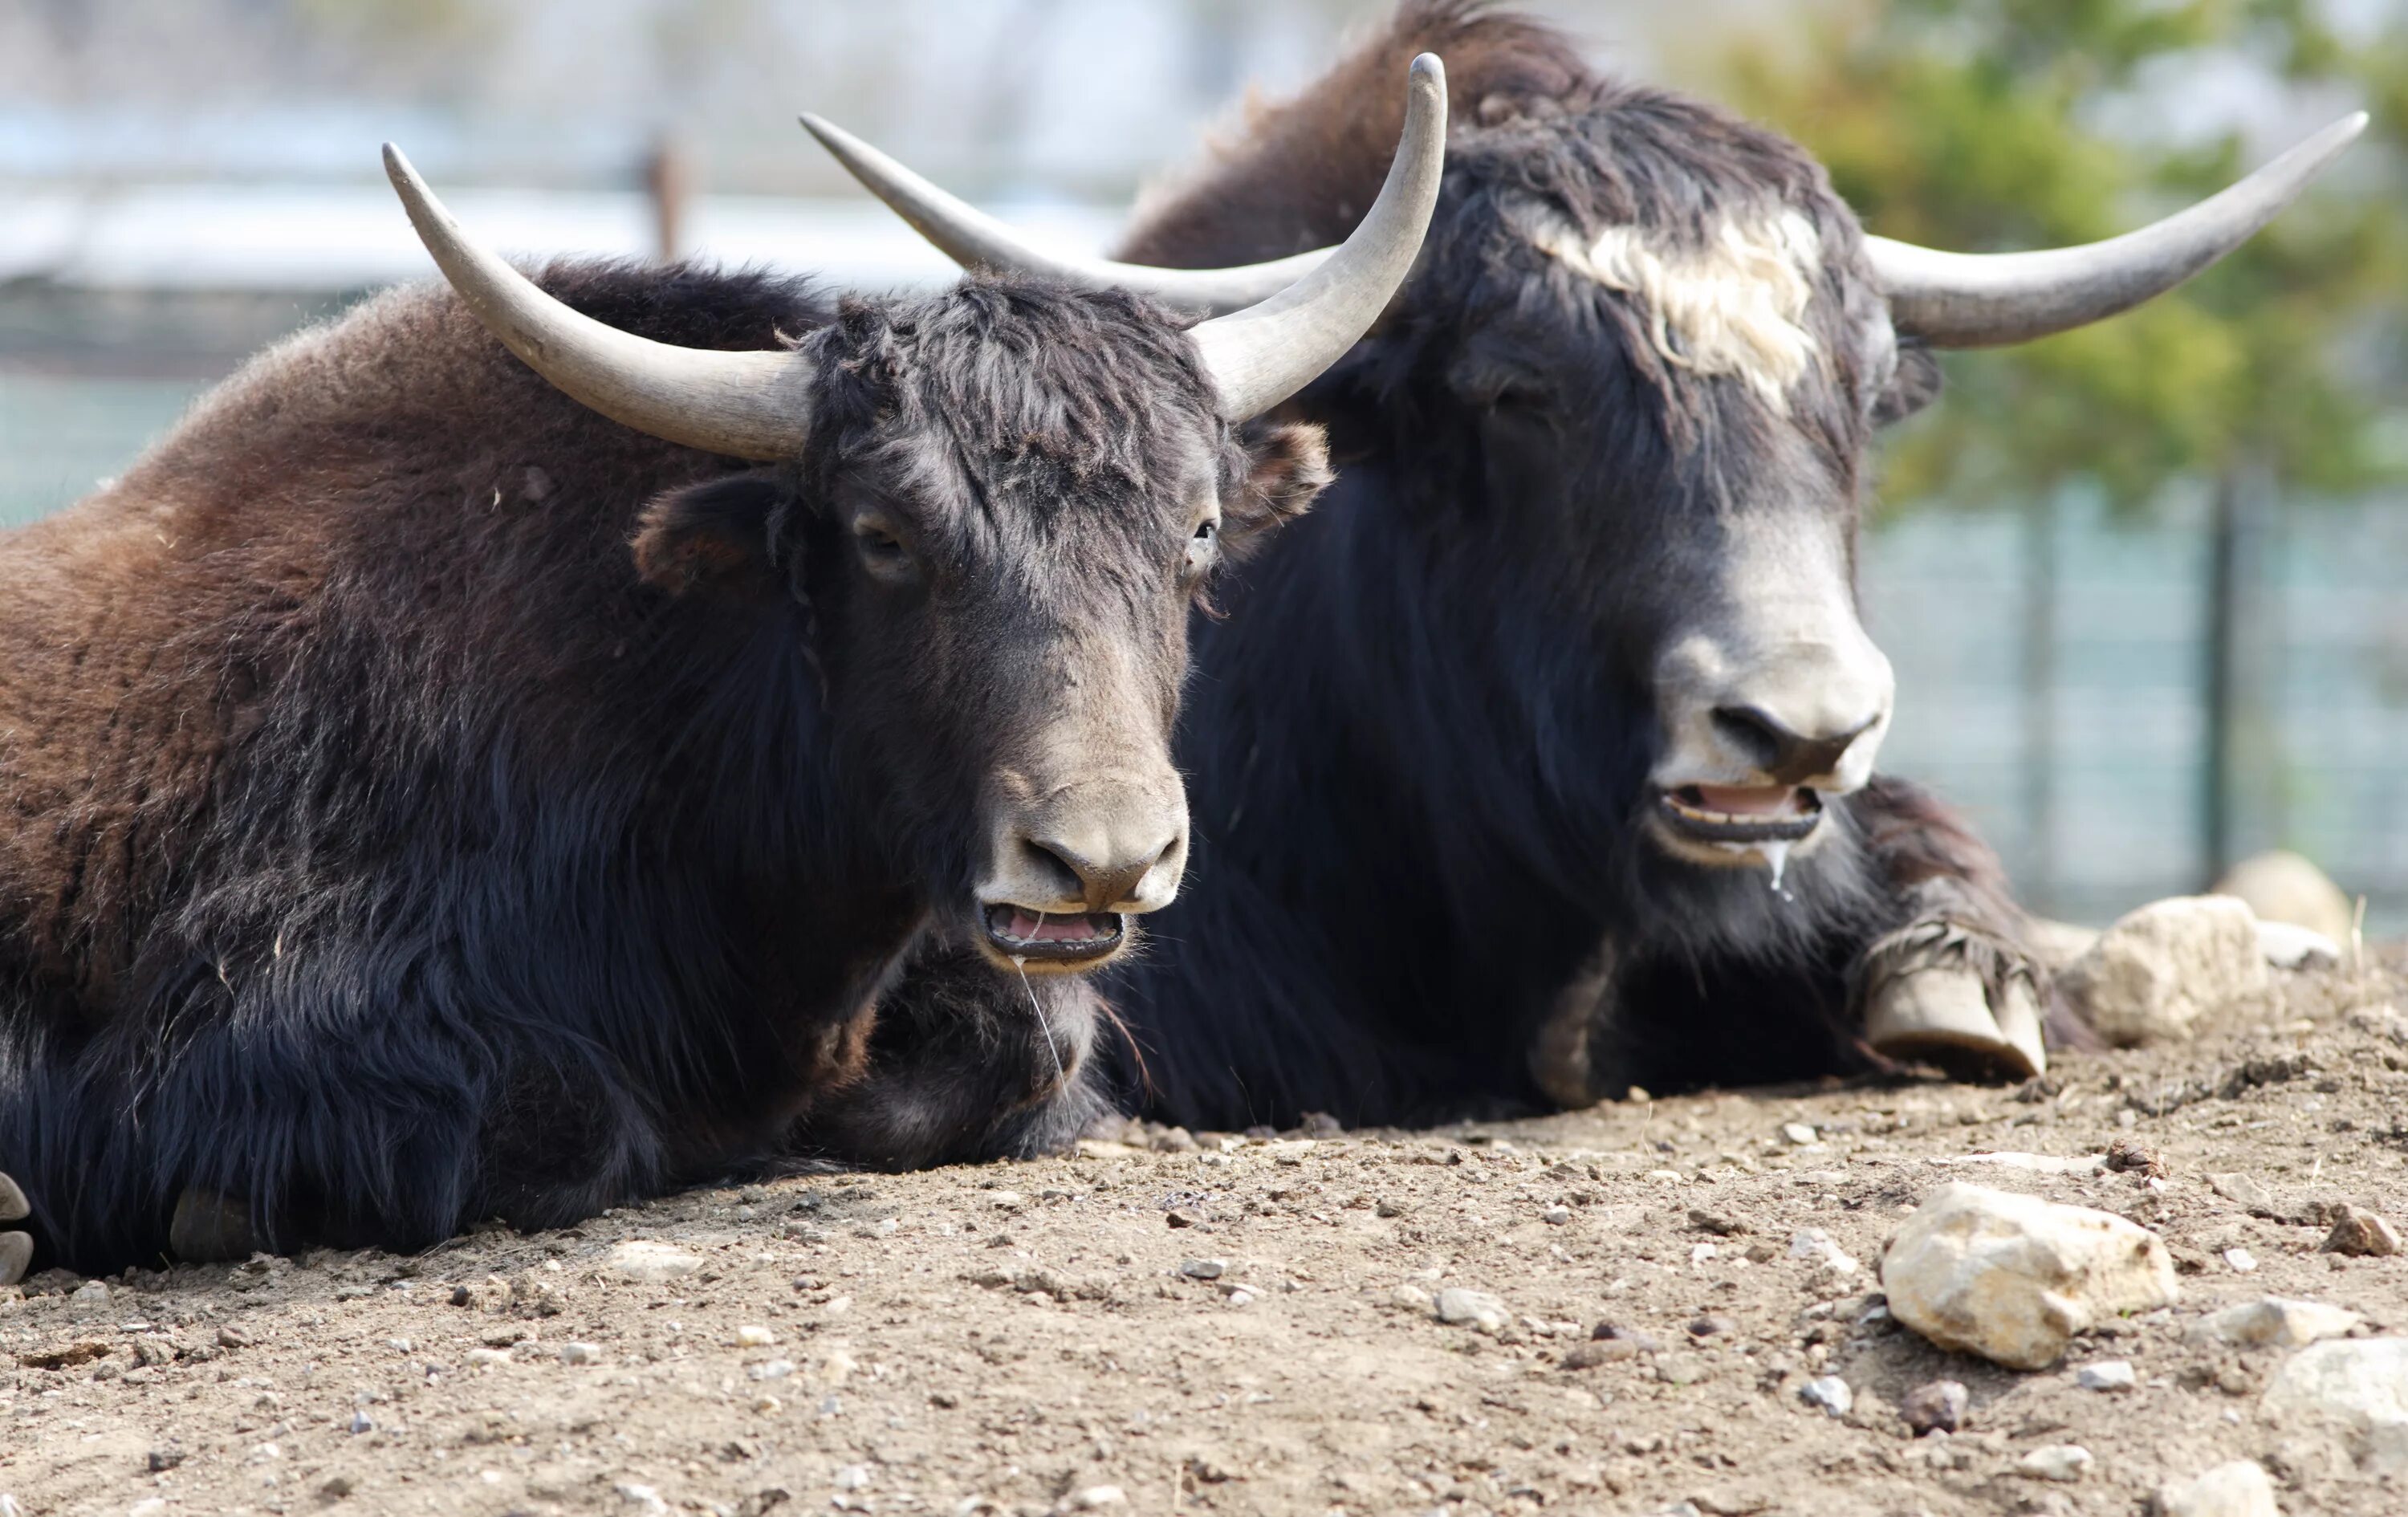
(1787, 756)
(1066, 871)
(1103, 884)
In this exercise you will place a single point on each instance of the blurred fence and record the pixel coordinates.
(2052, 664)
(2054, 676)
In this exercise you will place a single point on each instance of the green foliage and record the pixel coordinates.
(1990, 126)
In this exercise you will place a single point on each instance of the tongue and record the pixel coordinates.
(1029, 929)
(1755, 800)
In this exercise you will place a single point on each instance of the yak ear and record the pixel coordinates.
(1917, 383)
(717, 535)
(1288, 467)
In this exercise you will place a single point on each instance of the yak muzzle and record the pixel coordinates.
(1066, 873)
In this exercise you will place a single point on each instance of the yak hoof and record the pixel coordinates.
(16, 1254)
(13, 1205)
(210, 1229)
(1940, 1015)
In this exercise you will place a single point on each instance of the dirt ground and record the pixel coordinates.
(1162, 1323)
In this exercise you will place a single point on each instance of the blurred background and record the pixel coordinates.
(2145, 585)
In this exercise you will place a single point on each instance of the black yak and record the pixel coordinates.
(1539, 761)
(432, 799)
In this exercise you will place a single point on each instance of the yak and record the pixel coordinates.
(452, 777)
(1539, 763)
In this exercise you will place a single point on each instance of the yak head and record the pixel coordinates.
(991, 512)
(1656, 345)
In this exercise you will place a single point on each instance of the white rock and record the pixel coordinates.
(2360, 1385)
(1798, 1133)
(1829, 1392)
(1815, 1247)
(2107, 1375)
(2241, 1260)
(155, 1505)
(2239, 1489)
(647, 1263)
(2153, 976)
(2281, 886)
(1476, 1309)
(852, 1477)
(1097, 1498)
(2272, 1321)
(643, 1498)
(2243, 1190)
(2054, 1461)
(2289, 947)
(89, 1299)
(2012, 1277)
(770, 1369)
(1412, 1299)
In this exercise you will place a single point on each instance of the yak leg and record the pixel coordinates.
(967, 1063)
(16, 1248)
(211, 1227)
(1957, 983)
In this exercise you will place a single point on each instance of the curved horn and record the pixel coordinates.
(1981, 300)
(747, 405)
(1267, 352)
(974, 240)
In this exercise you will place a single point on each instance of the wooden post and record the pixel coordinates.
(669, 182)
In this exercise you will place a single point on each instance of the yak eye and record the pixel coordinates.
(879, 548)
(1203, 548)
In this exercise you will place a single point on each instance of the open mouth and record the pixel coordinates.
(1064, 938)
(1740, 816)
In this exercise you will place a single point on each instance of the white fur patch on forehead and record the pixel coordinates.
(1736, 306)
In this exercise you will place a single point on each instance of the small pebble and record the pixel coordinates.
(1935, 1407)
(1639, 1341)
(648, 1263)
(2061, 1461)
(1203, 1268)
(579, 1353)
(1557, 1216)
(1708, 1326)
(852, 1477)
(2241, 1260)
(1829, 1392)
(1097, 1498)
(754, 1338)
(2359, 1234)
(1476, 1309)
(2106, 1375)
(1605, 1351)
(1798, 1133)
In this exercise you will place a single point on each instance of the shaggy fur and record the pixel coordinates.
(394, 845)
(1419, 746)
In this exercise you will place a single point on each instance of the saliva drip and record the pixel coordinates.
(1775, 854)
(1776, 859)
(1019, 962)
